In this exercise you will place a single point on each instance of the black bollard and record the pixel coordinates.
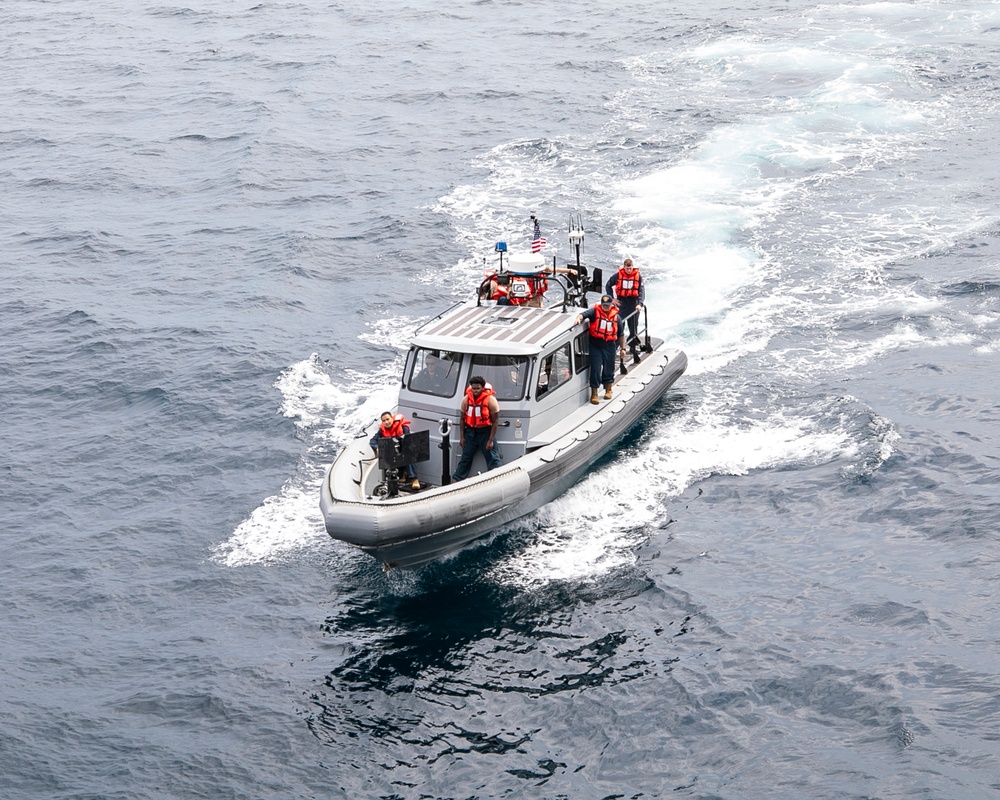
(445, 452)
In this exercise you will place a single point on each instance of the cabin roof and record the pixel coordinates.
(500, 330)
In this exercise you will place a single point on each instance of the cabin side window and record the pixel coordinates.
(434, 372)
(581, 352)
(556, 368)
(506, 374)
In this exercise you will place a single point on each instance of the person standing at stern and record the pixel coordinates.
(604, 339)
(627, 288)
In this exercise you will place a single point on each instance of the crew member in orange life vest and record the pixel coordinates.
(604, 341)
(540, 284)
(480, 415)
(520, 290)
(496, 287)
(627, 288)
(391, 428)
(507, 290)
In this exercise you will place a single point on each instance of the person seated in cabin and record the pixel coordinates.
(395, 427)
(433, 378)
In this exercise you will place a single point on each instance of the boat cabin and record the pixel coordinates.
(525, 342)
(536, 360)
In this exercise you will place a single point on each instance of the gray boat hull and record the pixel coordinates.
(409, 531)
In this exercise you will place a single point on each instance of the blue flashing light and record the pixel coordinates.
(501, 247)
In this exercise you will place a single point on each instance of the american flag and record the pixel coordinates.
(537, 241)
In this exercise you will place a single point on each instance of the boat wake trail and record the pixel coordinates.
(327, 414)
(600, 525)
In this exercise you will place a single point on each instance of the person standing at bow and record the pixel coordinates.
(627, 288)
(395, 427)
(604, 340)
(480, 417)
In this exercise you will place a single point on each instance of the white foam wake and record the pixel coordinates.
(327, 413)
(596, 527)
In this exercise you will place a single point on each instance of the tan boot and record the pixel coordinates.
(593, 397)
(607, 391)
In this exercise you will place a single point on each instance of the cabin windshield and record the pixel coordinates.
(434, 372)
(507, 374)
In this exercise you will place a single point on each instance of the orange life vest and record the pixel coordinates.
(539, 284)
(477, 410)
(520, 291)
(605, 324)
(498, 290)
(628, 284)
(395, 427)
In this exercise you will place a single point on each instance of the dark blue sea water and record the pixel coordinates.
(221, 222)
